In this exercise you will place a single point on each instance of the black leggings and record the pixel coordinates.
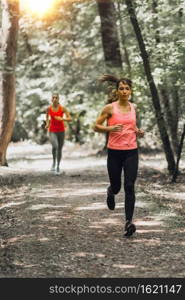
(126, 160)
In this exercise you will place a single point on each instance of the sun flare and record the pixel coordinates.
(38, 7)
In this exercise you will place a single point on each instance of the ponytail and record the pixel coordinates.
(110, 78)
(115, 80)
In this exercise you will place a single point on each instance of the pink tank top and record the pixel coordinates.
(125, 139)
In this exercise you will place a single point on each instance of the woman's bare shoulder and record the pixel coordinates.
(107, 108)
(135, 106)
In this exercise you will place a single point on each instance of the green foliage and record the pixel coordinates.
(162, 30)
(64, 56)
(64, 53)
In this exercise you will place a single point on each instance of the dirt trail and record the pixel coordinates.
(59, 226)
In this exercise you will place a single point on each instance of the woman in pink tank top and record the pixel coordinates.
(122, 147)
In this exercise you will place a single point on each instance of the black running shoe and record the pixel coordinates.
(110, 199)
(126, 225)
(130, 228)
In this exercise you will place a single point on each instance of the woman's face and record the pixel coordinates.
(124, 90)
(55, 99)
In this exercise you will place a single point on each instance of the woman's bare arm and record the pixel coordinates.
(47, 119)
(105, 114)
(67, 115)
(139, 132)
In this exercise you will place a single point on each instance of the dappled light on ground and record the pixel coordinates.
(121, 266)
(11, 204)
(60, 226)
(19, 238)
(153, 162)
(170, 195)
(108, 221)
(151, 242)
(39, 158)
(93, 206)
(149, 230)
(44, 239)
(43, 206)
(149, 223)
(21, 264)
(55, 216)
(85, 254)
(69, 192)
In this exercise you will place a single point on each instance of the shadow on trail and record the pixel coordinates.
(59, 226)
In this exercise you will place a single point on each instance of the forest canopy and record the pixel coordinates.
(62, 51)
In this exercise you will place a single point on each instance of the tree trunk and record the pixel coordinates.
(27, 44)
(157, 33)
(10, 16)
(123, 42)
(109, 33)
(175, 174)
(171, 119)
(154, 92)
(110, 40)
(176, 107)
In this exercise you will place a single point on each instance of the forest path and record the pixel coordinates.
(60, 226)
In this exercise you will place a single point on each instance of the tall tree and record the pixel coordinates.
(9, 33)
(153, 89)
(110, 39)
(123, 39)
(170, 108)
(109, 33)
(176, 171)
